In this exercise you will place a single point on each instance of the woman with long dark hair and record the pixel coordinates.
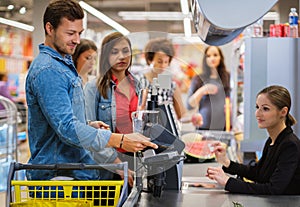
(208, 91)
(113, 95)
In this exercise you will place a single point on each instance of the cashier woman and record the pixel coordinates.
(278, 170)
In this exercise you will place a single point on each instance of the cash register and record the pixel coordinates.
(159, 169)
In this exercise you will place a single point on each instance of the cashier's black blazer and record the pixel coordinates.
(276, 173)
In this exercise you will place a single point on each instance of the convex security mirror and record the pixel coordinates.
(218, 22)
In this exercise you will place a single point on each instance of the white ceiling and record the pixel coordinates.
(111, 9)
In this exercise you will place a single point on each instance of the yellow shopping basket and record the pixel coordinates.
(65, 193)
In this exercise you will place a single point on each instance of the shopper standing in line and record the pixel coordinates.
(57, 128)
(278, 170)
(159, 53)
(113, 95)
(84, 59)
(209, 90)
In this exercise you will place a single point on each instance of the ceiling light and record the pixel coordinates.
(186, 21)
(10, 7)
(22, 10)
(187, 27)
(104, 18)
(16, 24)
(184, 7)
(155, 16)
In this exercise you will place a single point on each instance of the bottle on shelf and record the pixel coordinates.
(293, 22)
(257, 29)
(272, 30)
(298, 28)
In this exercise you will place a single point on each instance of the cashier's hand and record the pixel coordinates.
(217, 174)
(99, 125)
(136, 142)
(221, 154)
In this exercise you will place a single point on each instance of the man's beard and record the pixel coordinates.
(61, 49)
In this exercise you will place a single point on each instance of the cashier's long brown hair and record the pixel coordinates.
(105, 74)
(280, 97)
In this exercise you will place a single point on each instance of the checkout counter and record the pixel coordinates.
(210, 197)
(207, 194)
(198, 190)
(214, 198)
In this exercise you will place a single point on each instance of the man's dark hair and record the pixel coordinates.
(58, 9)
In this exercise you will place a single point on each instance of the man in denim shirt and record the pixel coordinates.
(57, 127)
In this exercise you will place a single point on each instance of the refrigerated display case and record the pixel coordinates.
(8, 138)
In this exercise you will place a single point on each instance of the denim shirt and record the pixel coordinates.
(99, 108)
(57, 129)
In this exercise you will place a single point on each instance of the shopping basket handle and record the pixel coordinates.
(68, 166)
